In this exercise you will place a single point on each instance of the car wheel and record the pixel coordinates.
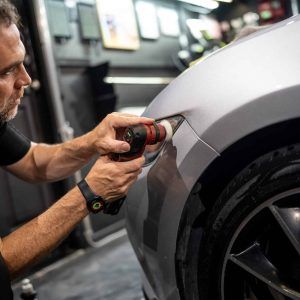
(251, 244)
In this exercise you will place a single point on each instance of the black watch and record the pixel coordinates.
(94, 203)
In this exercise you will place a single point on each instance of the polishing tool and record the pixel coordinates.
(141, 135)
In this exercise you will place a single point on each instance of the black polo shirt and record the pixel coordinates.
(13, 146)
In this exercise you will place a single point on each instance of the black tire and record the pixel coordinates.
(251, 243)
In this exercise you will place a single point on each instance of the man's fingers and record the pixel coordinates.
(126, 167)
(118, 114)
(116, 146)
(124, 121)
(132, 165)
(124, 114)
(134, 175)
(130, 178)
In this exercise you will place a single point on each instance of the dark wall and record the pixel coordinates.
(154, 58)
(228, 12)
(238, 8)
(152, 53)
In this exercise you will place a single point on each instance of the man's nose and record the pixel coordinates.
(23, 78)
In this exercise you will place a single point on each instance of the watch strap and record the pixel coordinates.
(113, 208)
(95, 203)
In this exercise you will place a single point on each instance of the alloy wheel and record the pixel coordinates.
(262, 261)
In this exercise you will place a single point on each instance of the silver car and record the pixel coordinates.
(215, 215)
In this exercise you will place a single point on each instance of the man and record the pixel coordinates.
(39, 162)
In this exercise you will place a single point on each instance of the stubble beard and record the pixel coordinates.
(9, 112)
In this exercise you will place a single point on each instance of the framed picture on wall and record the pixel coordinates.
(147, 19)
(118, 24)
(168, 21)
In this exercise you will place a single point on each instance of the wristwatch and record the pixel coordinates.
(96, 203)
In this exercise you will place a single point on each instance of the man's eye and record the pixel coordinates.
(9, 72)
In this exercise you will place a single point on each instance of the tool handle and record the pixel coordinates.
(113, 208)
(138, 136)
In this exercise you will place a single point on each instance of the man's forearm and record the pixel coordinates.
(53, 162)
(60, 161)
(38, 237)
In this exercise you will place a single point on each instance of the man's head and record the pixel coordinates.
(8, 13)
(13, 76)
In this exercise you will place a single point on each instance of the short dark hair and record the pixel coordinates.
(8, 13)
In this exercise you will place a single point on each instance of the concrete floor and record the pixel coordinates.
(108, 273)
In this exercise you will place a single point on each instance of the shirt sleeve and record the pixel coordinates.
(13, 145)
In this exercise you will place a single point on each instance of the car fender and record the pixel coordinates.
(153, 218)
(252, 83)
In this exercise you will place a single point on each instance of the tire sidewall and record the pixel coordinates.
(268, 176)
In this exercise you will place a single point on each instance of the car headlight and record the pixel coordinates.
(152, 151)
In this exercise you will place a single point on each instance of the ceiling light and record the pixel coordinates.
(210, 4)
(226, 1)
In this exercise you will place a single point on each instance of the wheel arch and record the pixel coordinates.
(213, 181)
(240, 154)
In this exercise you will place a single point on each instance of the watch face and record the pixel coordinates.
(96, 206)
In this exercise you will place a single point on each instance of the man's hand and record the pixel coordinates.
(103, 139)
(111, 180)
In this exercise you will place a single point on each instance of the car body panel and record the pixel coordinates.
(222, 101)
(242, 88)
(163, 189)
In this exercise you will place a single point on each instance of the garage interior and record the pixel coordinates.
(78, 78)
